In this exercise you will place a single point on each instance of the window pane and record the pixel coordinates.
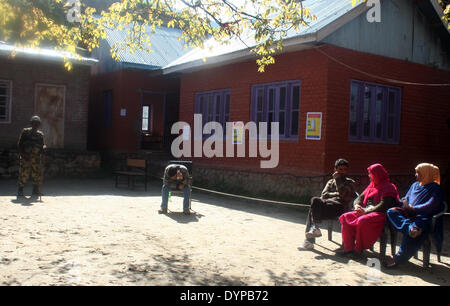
(353, 109)
(217, 118)
(366, 113)
(390, 127)
(259, 117)
(391, 115)
(271, 99)
(144, 124)
(145, 112)
(279, 102)
(201, 105)
(296, 98)
(282, 122)
(227, 108)
(294, 123)
(282, 98)
(210, 108)
(260, 100)
(378, 114)
(391, 102)
(4, 101)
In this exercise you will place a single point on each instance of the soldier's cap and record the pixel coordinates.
(35, 119)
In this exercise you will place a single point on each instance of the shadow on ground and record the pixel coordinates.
(174, 270)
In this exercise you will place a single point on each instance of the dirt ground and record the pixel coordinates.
(86, 232)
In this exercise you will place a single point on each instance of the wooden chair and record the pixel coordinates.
(135, 168)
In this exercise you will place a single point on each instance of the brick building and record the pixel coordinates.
(132, 105)
(368, 81)
(36, 82)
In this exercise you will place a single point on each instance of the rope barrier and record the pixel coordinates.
(240, 196)
(250, 198)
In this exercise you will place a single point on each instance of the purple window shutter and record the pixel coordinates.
(287, 111)
(197, 104)
(253, 104)
(389, 117)
(206, 104)
(398, 116)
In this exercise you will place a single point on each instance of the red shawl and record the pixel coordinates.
(379, 186)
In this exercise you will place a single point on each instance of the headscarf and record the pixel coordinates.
(379, 186)
(430, 174)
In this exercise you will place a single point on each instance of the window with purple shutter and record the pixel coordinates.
(214, 106)
(374, 113)
(277, 102)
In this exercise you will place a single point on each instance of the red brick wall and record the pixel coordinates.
(424, 136)
(25, 74)
(123, 136)
(325, 87)
(302, 157)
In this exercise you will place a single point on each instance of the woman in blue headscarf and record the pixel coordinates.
(423, 200)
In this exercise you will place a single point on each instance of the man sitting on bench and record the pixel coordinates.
(336, 198)
(176, 177)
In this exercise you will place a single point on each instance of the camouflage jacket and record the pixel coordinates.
(31, 143)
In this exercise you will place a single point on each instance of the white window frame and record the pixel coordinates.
(8, 105)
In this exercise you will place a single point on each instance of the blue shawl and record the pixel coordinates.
(427, 201)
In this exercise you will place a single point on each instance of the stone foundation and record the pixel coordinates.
(58, 163)
(298, 189)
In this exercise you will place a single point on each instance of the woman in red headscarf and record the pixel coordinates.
(362, 227)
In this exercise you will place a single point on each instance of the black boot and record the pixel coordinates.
(36, 191)
(20, 192)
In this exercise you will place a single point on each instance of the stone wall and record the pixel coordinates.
(58, 163)
(280, 187)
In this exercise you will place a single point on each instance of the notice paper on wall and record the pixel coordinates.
(313, 126)
(123, 112)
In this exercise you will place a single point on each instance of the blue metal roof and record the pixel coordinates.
(165, 48)
(325, 11)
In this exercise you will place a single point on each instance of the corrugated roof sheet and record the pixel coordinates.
(50, 54)
(165, 47)
(326, 11)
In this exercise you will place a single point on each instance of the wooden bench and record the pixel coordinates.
(135, 168)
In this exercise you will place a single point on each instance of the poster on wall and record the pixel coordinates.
(313, 126)
(49, 105)
(238, 131)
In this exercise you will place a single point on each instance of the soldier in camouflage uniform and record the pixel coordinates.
(31, 147)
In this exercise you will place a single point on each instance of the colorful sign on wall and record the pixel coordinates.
(313, 126)
(238, 132)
